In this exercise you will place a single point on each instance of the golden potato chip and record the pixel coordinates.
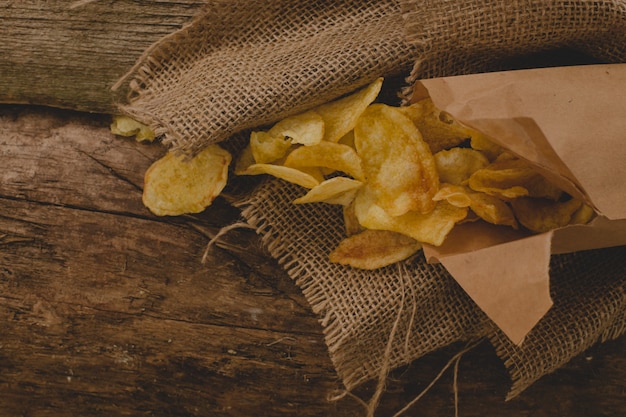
(438, 128)
(306, 128)
(483, 144)
(493, 210)
(126, 126)
(340, 116)
(489, 208)
(542, 215)
(503, 178)
(539, 186)
(288, 174)
(510, 177)
(457, 195)
(350, 221)
(348, 139)
(338, 190)
(316, 172)
(373, 249)
(396, 162)
(432, 227)
(331, 155)
(457, 164)
(244, 160)
(583, 215)
(268, 148)
(176, 185)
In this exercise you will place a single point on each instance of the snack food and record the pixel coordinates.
(406, 176)
(125, 126)
(176, 185)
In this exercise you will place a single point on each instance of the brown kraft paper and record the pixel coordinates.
(570, 122)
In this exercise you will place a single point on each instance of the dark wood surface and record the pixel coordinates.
(69, 53)
(107, 310)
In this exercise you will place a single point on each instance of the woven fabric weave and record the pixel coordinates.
(246, 63)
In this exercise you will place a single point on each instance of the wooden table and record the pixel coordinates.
(107, 310)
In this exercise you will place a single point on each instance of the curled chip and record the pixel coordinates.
(373, 249)
(292, 175)
(335, 156)
(456, 165)
(244, 160)
(125, 126)
(583, 215)
(268, 148)
(177, 185)
(457, 195)
(350, 221)
(306, 128)
(489, 208)
(481, 143)
(397, 163)
(510, 177)
(340, 116)
(439, 129)
(542, 215)
(492, 210)
(432, 227)
(503, 178)
(337, 190)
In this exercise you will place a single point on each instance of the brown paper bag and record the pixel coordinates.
(570, 122)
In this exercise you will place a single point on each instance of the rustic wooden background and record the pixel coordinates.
(106, 310)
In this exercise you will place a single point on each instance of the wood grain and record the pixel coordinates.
(58, 55)
(107, 310)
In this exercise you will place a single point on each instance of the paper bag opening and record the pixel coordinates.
(570, 123)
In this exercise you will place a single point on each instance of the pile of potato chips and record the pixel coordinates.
(405, 176)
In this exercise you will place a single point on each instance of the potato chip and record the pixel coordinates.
(288, 174)
(268, 148)
(432, 227)
(348, 139)
(337, 190)
(457, 195)
(510, 177)
(503, 178)
(583, 215)
(126, 126)
(244, 160)
(177, 185)
(350, 221)
(492, 210)
(438, 128)
(483, 144)
(316, 172)
(331, 155)
(489, 208)
(373, 249)
(396, 162)
(340, 116)
(542, 215)
(306, 128)
(539, 186)
(457, 164)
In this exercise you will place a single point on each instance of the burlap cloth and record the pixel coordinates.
(246, 63)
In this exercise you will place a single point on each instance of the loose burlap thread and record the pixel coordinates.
(243, 64)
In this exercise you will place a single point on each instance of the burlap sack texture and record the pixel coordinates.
(243, 64)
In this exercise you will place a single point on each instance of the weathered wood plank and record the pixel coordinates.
(58, 55)
(106, 309)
